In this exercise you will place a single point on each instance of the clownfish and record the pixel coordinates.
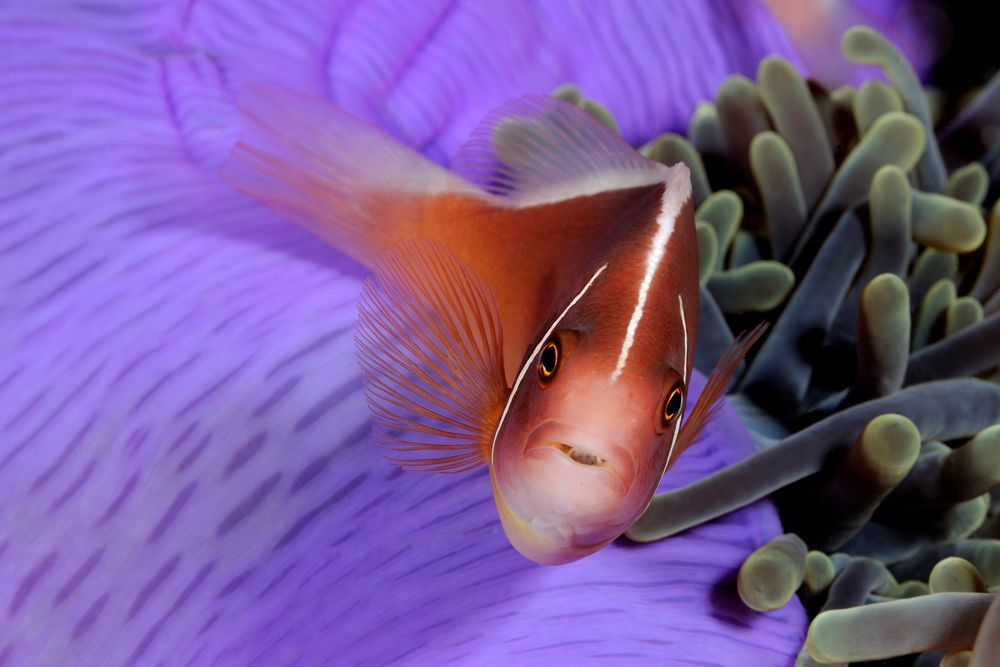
(534, 307)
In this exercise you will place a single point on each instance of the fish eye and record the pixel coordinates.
(548, 361)
(672, 406)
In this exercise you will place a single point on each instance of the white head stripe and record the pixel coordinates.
(677, 429)
(534, 353)
(684, 326)
(674, 196)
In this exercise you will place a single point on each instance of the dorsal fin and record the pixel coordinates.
(430, 350)
(345, 180)
(536, 150)
(363, 192)
(710, 399)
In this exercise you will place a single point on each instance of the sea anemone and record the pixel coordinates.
(186, 469)
(846, 220)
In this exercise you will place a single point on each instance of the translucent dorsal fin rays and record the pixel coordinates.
(536, 150)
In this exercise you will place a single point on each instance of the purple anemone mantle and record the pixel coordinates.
(186, 471)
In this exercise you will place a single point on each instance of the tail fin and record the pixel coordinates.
(344, 180)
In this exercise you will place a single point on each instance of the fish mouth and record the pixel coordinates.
(581, 456)
(589, 452)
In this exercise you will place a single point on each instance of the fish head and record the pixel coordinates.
(580, 449)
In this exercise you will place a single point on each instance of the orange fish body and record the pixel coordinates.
(513, 251)
(534, 308)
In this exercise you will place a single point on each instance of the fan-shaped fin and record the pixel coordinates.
(429, 345)
(537, 150)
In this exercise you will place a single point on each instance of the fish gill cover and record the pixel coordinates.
(186, 469)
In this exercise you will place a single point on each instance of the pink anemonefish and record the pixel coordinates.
(533, 308)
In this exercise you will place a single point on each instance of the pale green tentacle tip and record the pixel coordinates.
(769, 577)
(890, 445)
(943, 291)
(744, 250)
(769, 150)
(704, 129)
(774, 66)
(934, 447)
(600, 113)
(909, 589)
(752, 288)
(976, 464)
(844, 96)
(932, 265)
(825, 637)
(708, 251)
(988, 438)
(737, 89)
(890, 183)
(883, 334)
(777, 74)
(704, 113)
(962, 314)
(568, 92)
(766, 583)
(901, 133)
(896, 138)
(969, 516)
(865, 45)
(803, 659)
(937, 301)
(669, 149)
(947, 224)
(873, 100)
(956, 575)
(885, 292)
(957, 658)
(724, 211)
(969, 184)
(723, 205)
(819, 572)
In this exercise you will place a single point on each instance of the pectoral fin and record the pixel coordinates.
(429, 345)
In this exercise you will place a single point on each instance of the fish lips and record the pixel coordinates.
(567, 493)
(584, 454)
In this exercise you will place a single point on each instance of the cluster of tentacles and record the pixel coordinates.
(843, 219)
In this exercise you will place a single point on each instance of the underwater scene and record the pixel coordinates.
(566, 332)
